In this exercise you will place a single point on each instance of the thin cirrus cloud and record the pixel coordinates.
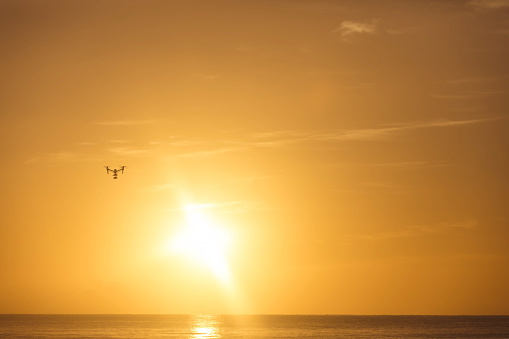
(403, 165)
(272, 139)
(472, 94)
(159, 188)
(474, 80)
(60, 157)
(126, 151)
(284, 138)
(489, 4)
(66, 157)
(423, 230)
(207, 153)
(225, 207)
(124, 122)
(248, 179)
(408, 164)
(347, 28)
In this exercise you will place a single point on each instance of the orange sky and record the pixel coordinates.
(339, 157)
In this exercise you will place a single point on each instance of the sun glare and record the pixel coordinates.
(203, 241)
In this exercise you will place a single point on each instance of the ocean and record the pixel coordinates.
(251, 326)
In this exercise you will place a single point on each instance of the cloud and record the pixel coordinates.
(284, 138)
(473, 80)
(158, 188)
(489, 4)
(416, 231)
(272, 134)
(442, 123)
(183, 143)
(124, 122)
(347, 28)
(246, 48)
(472, 94)
(271, 139)
(246, 179)
(382, 185)
(396, 31)
(205, 76)
(322, 7)
(125, 151)
(408, 165)
(59, 158)
(225, 207)
(359, 134)
(400, 165)
(208, 153)
(62, 156)
(383, 132)
(280, 142)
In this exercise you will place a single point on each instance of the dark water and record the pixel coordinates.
(251, 326)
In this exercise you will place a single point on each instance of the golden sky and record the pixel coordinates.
(283, 156)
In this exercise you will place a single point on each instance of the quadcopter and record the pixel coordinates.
(115, 171)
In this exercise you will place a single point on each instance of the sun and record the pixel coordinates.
(203, 241)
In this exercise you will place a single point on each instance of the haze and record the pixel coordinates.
(283, 157)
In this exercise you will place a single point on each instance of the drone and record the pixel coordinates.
(115, 171)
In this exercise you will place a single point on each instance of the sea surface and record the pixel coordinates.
(251, 326)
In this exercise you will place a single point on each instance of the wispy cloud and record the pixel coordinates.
(385, 131)
(417, 231)
(408, 165)
(272, 134)
(208, 153)
(472, 80)
(439, 123)
(270, 139)
(489, 4)
(398, 31)
(472, 94)
(246, 48)
(398, 165)
(379, 185)
(275, 139)
(159, 188)
(322, 7)
(347, 27)
(377, 133)
(126, 151)
(224, 207)
(247, 179)
(205, 76)
(60, 158)
(183, 143)
(124, 122)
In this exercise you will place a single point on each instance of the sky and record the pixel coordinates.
(283, 156)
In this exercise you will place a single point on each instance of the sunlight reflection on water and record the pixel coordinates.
(205, 326)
